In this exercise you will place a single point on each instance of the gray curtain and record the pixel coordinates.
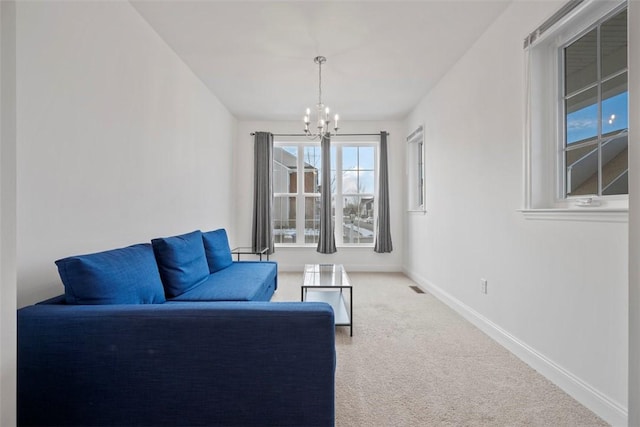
(327, 240)
(383, 232)
(262, 231)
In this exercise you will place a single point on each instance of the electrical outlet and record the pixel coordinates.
(483, 286)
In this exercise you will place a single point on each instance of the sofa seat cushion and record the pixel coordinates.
(181, 261)
(119, 276)
(216, 247)
(241, 281)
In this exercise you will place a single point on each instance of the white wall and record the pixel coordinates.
(557, 290)
(7, 214)
(118, 141)
(634, 218)
(293, 259)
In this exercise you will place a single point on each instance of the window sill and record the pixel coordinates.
(578, 214)
(314, 246)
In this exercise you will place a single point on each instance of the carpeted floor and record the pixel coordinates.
(412, 361)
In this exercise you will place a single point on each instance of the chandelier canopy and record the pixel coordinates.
(323, 120)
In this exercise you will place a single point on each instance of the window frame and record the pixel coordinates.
(338, 205)
(300, 195)
(337, 197)
(416, 171)
(544, 175)
(600, 139)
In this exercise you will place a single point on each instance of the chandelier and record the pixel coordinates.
(323, 120)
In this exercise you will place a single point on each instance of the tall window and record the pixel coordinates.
(416, 171)
(356, 191)
(577, 108)
(296, 186)
(595, 112)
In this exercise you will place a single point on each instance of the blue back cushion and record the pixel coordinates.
(119, 276)
(181, 261)
(216, 247)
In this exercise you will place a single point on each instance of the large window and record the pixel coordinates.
(577, 108)
(297, 172)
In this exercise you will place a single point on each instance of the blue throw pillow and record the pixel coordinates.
(216, 246)
(119, 276)
(181, 261)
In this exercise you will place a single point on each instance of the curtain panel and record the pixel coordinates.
(262, 229)
(326, 239)
(383, 232)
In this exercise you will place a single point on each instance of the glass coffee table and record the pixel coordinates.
(326, 283)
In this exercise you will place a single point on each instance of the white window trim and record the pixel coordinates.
(336, 141)
(300, 195)
(543, 192)
(415, 175)
(587, 214)
(338, 200)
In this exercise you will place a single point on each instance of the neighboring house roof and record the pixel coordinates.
(288, 160)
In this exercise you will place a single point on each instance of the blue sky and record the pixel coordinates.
(583, 124)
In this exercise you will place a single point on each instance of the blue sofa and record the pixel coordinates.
(190, 267)
(205, 350)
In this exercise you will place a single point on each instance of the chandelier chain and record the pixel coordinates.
(319, 83)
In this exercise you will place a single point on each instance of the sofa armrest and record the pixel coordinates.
(176, 364)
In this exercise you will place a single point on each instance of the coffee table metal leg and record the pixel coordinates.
(351, 311)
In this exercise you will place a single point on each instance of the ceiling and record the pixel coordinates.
(382, 56)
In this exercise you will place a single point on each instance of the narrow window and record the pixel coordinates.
(358, 179)
(595, 110)
(416, 171)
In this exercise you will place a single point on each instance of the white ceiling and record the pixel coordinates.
(382, 56)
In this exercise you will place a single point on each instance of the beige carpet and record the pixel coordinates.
(413, 361)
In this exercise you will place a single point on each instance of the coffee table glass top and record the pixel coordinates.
(325, 275)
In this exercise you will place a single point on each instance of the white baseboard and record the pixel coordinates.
(606, 408)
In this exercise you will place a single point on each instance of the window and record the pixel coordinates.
(577, 108)
(356, 189)
(595, 110)
(415, 171)
(296, 190)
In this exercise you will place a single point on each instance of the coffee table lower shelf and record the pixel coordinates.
(335, 298)
(328, 283)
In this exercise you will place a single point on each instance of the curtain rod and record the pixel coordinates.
(340, 134)
(554, 19)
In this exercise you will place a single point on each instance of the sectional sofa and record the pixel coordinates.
(174, 333)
